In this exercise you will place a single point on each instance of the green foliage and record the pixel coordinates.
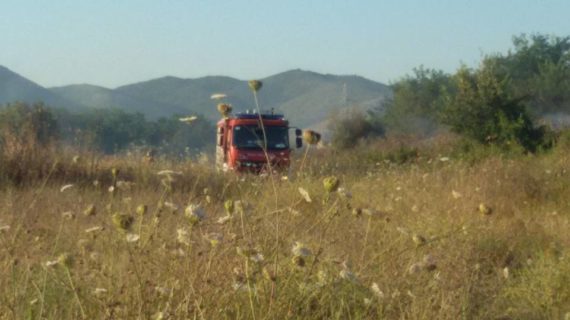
(21, 121)
(348, 129)
(106, 130)
(540, 69)
(484, 109)
(493, 104)
(416, 102)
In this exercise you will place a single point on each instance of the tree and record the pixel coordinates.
(31, 124)
(416, 102)
(539, 67)
(484, 109)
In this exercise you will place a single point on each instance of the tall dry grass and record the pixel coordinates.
(403, 238)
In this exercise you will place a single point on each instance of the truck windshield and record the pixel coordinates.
(251, 137)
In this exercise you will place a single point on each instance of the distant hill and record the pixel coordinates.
(306, 98)
(14, 87)
(99, 97)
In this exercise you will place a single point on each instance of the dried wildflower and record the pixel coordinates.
(485, 209)
(214, 238)
(142, 209)
(269, 275)
(90, 210)
(132, 237)
(229, 207)
(371, 212)
(414, 268)
(123, 222)
(99, 291)
(357, 212)
(115, 173)
(183, 236)
(93, 229)
(163, 291)
(331, 183)
(305, 194)
(68, 215)
(169, 172)
(218, 96)
(455, 194)
(376, 290)
(194, 213)
(311, 137)
(255, 85)
(66, 260)
(298, 261)
(300, 250)
(242, 207)
(51, 263)
(225, 109)
(257, 257)
(65, 187)
(344, 193)
(188, 119)
(323, 278)
(76, 159)
(224, 219)
(246, 252)
(419, 240)
(125, 185)
(294, 212)
(171, 206)
(346, 274)
(112, 189)
(506, 272)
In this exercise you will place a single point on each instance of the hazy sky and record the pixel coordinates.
(116, 42)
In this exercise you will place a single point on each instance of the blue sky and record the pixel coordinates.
(116, 42)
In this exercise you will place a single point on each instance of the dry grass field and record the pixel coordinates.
(422, 233)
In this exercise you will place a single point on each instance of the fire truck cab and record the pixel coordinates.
(241, 146)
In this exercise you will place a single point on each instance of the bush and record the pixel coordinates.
(483, 109)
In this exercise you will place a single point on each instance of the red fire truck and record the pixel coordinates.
(241, 145)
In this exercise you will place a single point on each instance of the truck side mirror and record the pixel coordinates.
(298, 132)
(298, 142)
(220, 141)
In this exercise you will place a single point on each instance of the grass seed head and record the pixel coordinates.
(485, 209)
(123, 222)
(255, 85)
(114, 173)
(194, 213)
(91, 210)
(225, 109)
(229, 207)
(331, 183)
(183, 236)
(66, 260)
(142, 209)
(311, 137)
(419, 240)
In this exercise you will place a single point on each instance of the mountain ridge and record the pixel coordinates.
(305, 97)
